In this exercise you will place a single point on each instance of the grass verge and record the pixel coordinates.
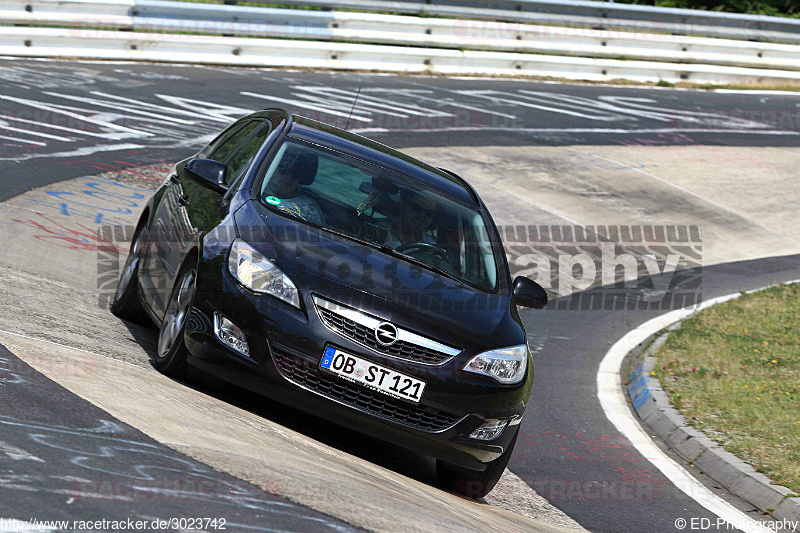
(733, 371)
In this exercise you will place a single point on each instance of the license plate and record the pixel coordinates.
(374, 376)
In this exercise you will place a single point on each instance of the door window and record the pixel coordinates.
(240, 159)
(223, 150)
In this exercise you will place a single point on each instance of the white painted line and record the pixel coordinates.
(600, 130)
(368, 130)
(615, 406)
(83, 118)
(322, 105)
(52, 126)
(24, 141)
(17, 454)
(756, 91)
(36, 133)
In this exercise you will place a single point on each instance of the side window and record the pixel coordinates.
(220, 139)
(239, 161)
(223, 150)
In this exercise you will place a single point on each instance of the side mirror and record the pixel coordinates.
(528, 293)
(208, 173)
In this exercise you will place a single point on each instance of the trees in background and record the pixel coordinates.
(790, 8)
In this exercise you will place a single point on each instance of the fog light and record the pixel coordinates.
(230, 335)
(490, 430)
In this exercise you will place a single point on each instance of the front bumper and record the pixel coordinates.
(286, 345)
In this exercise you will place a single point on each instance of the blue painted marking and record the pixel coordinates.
(637, 383)
(327, 357)
(639, 400)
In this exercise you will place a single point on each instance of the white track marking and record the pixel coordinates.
(61, 111)
(369, 104)
(125, 104)
(315, 103)
(361, 131)
(615, 406)
(414, 93)
(620, 131)
(51, 126)
(35, 133)
(755, 91)
(17, 454)
(24, 141)
(522, 100)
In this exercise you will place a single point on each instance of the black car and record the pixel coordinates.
(332, 273)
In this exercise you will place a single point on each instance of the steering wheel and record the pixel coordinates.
(433, 248)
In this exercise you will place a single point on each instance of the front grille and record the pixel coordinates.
(304, 370)
(366, 336)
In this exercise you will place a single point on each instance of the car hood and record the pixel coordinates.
(360, 276)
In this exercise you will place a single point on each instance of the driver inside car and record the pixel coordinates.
(411, 223)
(409, 227)
(297, 167)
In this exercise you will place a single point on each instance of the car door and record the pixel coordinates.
(203, 209)
(186, 210)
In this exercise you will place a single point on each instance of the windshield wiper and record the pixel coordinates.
(391, 251)
(371, 244)
(418, 262)
(388, 251)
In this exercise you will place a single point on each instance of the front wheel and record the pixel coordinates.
(126, 302)
(474, 483)
(172, 355)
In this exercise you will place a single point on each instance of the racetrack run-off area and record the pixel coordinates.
(84, 144)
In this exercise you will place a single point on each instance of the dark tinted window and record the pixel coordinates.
(220, 139)
(223, 150)
(382, 208)
(239, 160)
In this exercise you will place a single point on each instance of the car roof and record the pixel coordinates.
(381, 155)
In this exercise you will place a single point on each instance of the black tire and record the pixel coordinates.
(171, 354)
(126, 303)
(474, 483)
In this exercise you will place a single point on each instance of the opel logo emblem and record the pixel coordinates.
(386, 334)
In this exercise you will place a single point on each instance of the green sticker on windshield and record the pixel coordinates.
(274, 200)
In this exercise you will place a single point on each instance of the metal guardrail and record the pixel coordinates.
(570, 13)
(166, 16)
(440, 45)
(122, 45)
(588, 14)
(601, 9)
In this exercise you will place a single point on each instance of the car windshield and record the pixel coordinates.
(382, 208)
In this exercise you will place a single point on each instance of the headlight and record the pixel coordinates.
(257, 273)
(506, 365)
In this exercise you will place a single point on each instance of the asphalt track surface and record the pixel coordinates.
(571, 445)
(59, 120)
(62, 120)
(64, 459)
